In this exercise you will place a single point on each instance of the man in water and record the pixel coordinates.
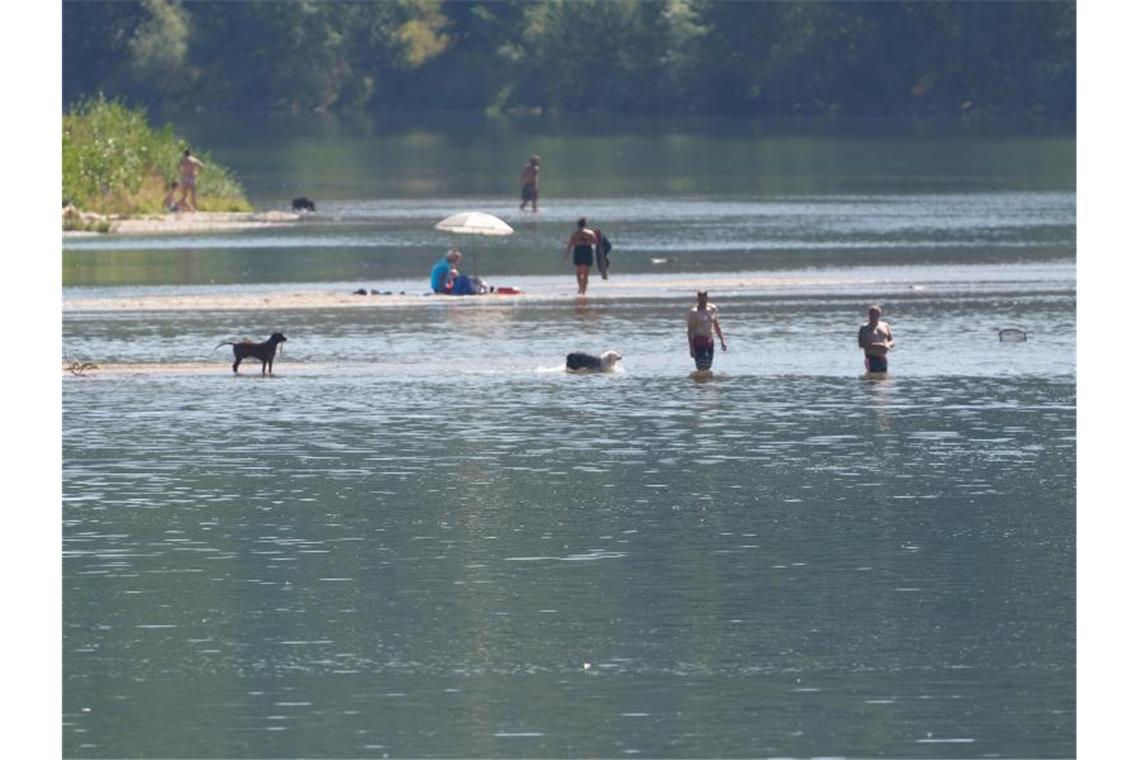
(188, 169)
(703, 322)
(529, 181)
(876, 340)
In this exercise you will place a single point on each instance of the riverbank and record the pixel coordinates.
(84, 223)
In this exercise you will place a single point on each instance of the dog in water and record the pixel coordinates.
(303, 204)
(582, 362)
(247, 348)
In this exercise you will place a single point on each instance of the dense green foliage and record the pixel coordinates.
(114, 162)
(709, 57)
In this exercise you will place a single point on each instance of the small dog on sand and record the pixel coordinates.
(578, 361)
(303, 204)
(263, 351)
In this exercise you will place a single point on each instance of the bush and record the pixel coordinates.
(115, 163)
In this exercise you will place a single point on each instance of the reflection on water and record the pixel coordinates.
(422, 537)
(391, 240)
(422, 515)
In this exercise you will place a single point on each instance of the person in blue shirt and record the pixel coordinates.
(446, 279)
(445, 271)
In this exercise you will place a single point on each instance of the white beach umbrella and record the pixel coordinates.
(475, 223)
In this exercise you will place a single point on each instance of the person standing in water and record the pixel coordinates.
(582, 241)
(876, 340)
(529, 181)
(188, 169)
(703, 322)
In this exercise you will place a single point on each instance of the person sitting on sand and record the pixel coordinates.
(445, 271)
(188, 169)
(168, 203)
(876, 340)
(529, 181)
(446, 278)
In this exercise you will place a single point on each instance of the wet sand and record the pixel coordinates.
(538, 291)
(189, 222)
(221, 366)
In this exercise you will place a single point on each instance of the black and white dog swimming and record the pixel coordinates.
(582, 362)
(303, 204)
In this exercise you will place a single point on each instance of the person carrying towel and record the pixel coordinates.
(582, 242)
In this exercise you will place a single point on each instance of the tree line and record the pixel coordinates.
(653, 57)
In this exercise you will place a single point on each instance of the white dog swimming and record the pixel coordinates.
(582, 362)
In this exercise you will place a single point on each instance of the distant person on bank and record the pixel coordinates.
(703, 321)
(168, 202)
(876, 340)
(188, 169)
(529, 182)
(582, 242)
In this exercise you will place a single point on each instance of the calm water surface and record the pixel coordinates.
(423, 538)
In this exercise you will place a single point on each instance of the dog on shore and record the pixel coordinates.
(263, 351)
(577, 361)
(303, 204)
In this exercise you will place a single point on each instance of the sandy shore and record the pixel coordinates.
(631, 288)
(188, 222)
(295, 300)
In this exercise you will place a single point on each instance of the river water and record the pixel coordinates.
(421, 537)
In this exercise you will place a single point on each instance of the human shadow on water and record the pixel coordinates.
(706, 376)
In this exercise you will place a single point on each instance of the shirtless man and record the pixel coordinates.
(582, 241)
(703, 322)
(876, 340)
(529, 181)
(188, 168)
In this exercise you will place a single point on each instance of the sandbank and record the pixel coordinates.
(184, 222)
(534, 290)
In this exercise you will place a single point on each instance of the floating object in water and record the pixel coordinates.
(654, 260)
(506, 290)
(1012, 335)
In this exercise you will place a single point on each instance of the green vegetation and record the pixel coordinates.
(656, 57)
(115, 163)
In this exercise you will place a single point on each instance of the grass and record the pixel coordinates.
(114, 162)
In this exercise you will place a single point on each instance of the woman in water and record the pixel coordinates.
(703, 322)
(582, 241)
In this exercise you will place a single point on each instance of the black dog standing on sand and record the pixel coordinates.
(264, 351)
(303, 204)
